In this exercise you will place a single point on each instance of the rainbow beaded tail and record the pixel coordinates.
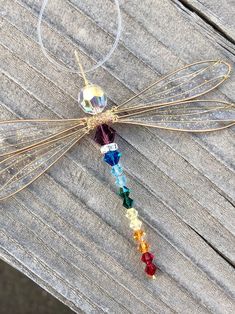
(105, 136)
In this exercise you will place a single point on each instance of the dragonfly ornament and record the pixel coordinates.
(30, 147)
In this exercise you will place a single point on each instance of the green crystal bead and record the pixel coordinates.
(123, 192)
(128, 202)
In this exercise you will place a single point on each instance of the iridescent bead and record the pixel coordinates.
(108, 147)
(121, 181)
(112, 157)
(131, 213)
(117, 170)
(138, 235)
(92, 99)
(143, 247)
(135, 224)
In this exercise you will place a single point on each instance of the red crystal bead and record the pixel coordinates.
(104, 134)
(150, 269)
(147, 258)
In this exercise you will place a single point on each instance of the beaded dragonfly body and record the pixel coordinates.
(29, 147)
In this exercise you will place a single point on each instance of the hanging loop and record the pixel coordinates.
(100, 63)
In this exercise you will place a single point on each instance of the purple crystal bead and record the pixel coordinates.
(104, 134)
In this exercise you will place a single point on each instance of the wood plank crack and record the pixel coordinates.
(189, 7)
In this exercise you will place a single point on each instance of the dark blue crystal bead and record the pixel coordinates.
(112, 157)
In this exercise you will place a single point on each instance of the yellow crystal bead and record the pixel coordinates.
(143, 247)
(135, 224)
(138, 235)
(131, 213)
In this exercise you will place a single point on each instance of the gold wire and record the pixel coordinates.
(30, 163)
(23, 187)
(81, 68)
(191, 75)
(36, 145)
(178, 70)
(175, 129)
(44, 141)
(109, 116)
(142, 110)
(136, 107)
(117, 115)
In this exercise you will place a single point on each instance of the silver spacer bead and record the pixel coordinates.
(108, 147)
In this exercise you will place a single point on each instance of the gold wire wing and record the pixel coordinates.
(16, 135)
(186, 83)
(189, 116)
(33, 156)
(169, 103)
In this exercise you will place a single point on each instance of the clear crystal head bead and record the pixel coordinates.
(92, 99)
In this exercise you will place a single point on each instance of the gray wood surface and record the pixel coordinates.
(68, 231)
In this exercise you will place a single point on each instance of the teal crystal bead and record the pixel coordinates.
(117, 170)
(112, 157)
(128, 202)
(121, 181)
(124, 191)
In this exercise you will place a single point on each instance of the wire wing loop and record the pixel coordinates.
(183, 84)
(17, 135)
(19, 170)
(188, 116)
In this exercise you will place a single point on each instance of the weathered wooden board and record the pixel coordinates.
(64, 231)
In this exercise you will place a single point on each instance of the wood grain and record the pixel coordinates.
(68, 230)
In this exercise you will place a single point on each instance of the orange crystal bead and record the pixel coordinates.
(143, 247)
(138, 234)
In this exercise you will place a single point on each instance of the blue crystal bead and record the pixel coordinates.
(121, 181)
(117, 170)
(112, 157)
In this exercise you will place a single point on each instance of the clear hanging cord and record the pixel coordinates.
(100, 63)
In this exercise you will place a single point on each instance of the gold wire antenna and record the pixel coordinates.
(81, 68)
